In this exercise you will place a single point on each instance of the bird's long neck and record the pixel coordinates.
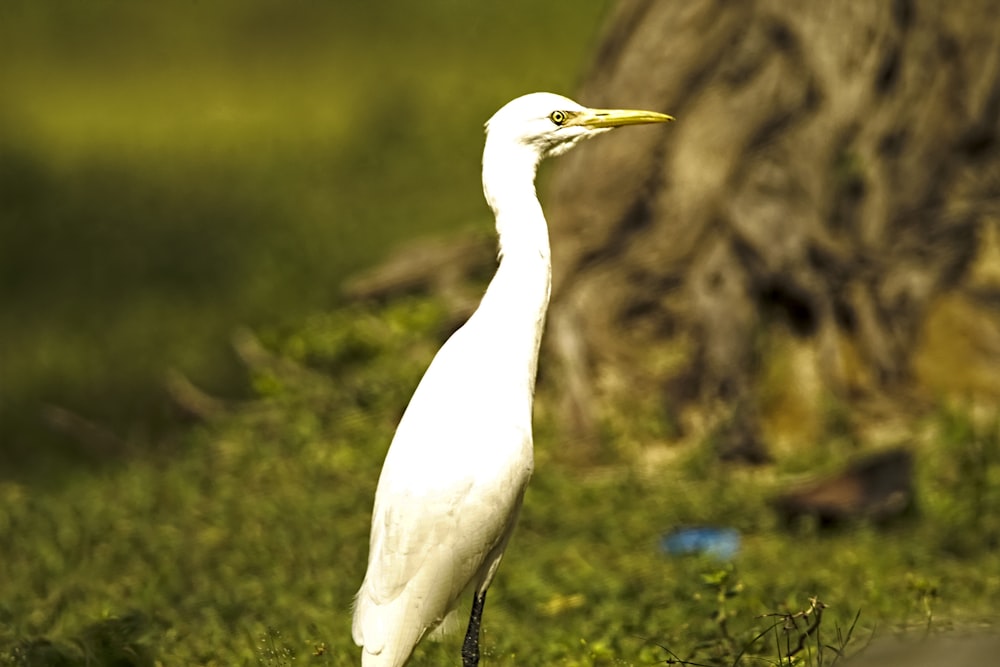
(517, 298)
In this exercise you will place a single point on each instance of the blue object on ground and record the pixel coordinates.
(722, 543)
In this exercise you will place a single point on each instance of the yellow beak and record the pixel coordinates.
(596, 118)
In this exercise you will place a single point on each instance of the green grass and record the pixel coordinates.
(242, 542)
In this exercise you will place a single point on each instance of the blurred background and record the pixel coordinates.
(769, 388)
(171, 171)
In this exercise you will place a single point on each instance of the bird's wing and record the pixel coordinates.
(449, 489)
(442, 524)
(430, 538)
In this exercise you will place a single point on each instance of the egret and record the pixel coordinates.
(455, 474)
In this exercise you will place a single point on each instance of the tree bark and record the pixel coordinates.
(791, 242)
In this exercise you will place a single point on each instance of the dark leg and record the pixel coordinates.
(470, 647)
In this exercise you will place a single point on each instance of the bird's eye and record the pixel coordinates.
(558, 117)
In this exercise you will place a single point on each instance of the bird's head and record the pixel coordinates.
(552, 124)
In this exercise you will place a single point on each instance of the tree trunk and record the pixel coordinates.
(805, 245)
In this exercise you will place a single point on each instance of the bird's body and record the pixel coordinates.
(454, 477)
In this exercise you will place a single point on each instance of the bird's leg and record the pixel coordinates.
(470, 647)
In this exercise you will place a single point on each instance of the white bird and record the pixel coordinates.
(455, 474)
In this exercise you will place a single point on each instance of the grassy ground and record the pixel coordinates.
(243, 542)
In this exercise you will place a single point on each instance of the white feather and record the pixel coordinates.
(454, 477)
